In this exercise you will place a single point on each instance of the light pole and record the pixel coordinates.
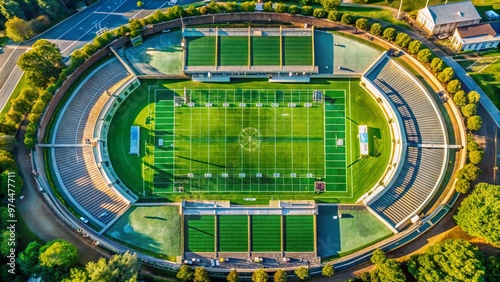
(399, 10)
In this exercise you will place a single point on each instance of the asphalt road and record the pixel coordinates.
(73, 33)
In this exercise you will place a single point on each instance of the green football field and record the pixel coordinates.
(233, 51)
(249, 153)
(201, 51)
(297, 50)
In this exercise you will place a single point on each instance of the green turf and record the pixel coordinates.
(265, 50)
(153, 228)
(233, 233)
(233, 51)
(299, 233)
(362, 174)
(201, 51)
(297, 51)
(489, 81)
(199, 233)
(266, 233)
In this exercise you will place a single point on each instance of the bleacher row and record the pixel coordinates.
(77, 167)
(423, 167)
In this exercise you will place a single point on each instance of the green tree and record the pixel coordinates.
(328, 270)
(437, 65)
(280, 276)
(446, 75)
(474, 97)
(201, 275)
(319, 13)
(233, 276)
(268, 6)
(42, 63)
(378, 257)
(376, 29)
(414, 47)
(389, 34)
(460, 98)
(51, 8)
(135, 24)
(18, 29)
(451, 260)
(304, 2)
(77, 275)
(260, 275)
(473, 146)
(476, 157)
(403, 40)
(388, 271)
(231, 7)
(20, 105)
(191, 11)
(469, 172)
(454, 86)
(248, 6)
(11, 9)
(424, 56)
(492, 265)
(462, 186)
(140, 4)
(330, 5)
(293, 9)
(362, 24)
(474, 122)
(213, 8)
(478, 213)
(469, 110)
(185, 273)
(119, 268)
(58, 253)
(346, 19)
(302, 272)
(306, 10)
(335, 15)
(281, 8)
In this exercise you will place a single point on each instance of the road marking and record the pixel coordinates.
(8, 58)
(77, 24)
(1, 90)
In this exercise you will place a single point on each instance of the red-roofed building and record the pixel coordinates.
(476, 37)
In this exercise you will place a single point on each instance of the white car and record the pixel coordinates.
(84, 220)
(443, 36)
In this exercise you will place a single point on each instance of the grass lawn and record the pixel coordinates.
(489, 80)
(376, 13)
(233, 51)
(361, 174)
(3, 40)
(20, 86)
(153, 228)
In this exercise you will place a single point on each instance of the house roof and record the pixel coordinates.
(483, 29)
(451, 13)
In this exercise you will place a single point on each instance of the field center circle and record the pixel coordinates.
(249, 139)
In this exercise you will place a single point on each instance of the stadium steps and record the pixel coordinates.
(77, 167)
(422, 168)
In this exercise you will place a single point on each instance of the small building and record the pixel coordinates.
(476, 37)
(445, 18)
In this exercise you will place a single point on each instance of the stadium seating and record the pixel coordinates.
(76, 167)
(423, 167)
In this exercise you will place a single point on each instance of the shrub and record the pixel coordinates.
(304, 2)
(335, 16)
(424, 56)
(454, 86)
(403, 40)
(362, 23)
(437, 65)
(462, 186)
(474, 123)
(329, 5)
(306, 10)
(460, 98)
(328, 270)
(319, 13)
(446, 75)
(389, 34)
(268, 6)
(473, 146)
(346, 19)
(248, 6)
(293, 9)
(281, 8)
(230, 7)
(474, 97)
(469, 110)
(414, 47)
(376, 29)
(476, 157)
(469, 172)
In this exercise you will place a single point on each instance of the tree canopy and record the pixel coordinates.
(280, 276)
(474, 122)
(42, 63)
(424, 55)
(479, 213)
(376, 29)
(328, 270)
(414, 47)
(201, 275)
(58, 253)
(185, 273)
(28, 259)
(232, 276)
(385, 270)
(451, 260)
(260, 275)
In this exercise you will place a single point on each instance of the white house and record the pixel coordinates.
(476, 37)
(445, 18)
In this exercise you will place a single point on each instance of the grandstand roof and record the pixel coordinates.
(451, 13)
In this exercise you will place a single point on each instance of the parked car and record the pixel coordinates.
(84, 220)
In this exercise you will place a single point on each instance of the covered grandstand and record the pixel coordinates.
(426, 155)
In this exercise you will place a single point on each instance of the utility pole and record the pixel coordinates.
(399, 10)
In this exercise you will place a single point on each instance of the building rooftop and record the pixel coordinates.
(451, 13)
(482, 29)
